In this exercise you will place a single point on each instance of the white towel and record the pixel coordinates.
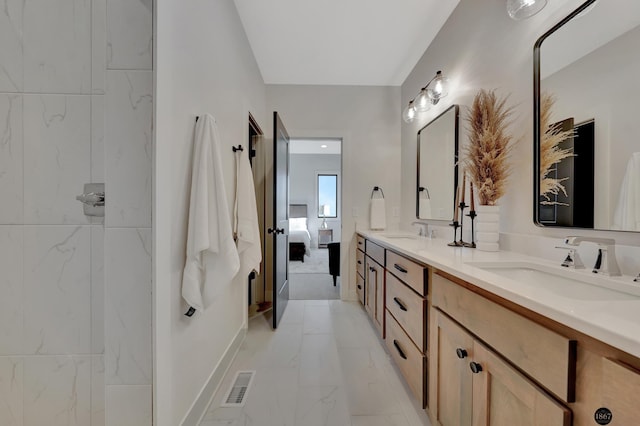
(627, 214)
(378, 219)
(246, 225)
(212, 258)
(424, 208)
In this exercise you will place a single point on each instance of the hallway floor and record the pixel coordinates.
(323, 366)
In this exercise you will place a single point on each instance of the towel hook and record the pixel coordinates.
(377, 188)
(238, 148)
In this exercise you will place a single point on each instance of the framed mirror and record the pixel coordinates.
(586, 97)
(437, 167)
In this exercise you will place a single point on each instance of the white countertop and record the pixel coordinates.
(615, 321)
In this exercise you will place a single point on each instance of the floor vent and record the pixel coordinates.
(237, 393)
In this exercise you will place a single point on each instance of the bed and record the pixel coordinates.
(299, 236)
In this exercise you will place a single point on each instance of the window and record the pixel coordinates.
(327, 195)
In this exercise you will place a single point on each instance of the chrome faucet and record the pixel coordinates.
(606, 263)
(423, 228)
(572, 260)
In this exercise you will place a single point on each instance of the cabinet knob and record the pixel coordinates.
(475, 367)
(462, 353)
(359, 287)
(372, 269)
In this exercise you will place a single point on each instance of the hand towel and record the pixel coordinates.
(212, 258)
(246, 227)
(425, 208)
(627, 213)
(378, 218)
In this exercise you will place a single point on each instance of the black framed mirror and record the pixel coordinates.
(586, 84)
(437, 169)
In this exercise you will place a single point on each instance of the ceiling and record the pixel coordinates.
(341, 42)
(315, 146)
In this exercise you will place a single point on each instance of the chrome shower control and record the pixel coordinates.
(93, 199)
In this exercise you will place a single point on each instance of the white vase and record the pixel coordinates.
(488, 228)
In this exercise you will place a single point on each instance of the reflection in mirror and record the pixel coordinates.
(593, 77)
(437, 166)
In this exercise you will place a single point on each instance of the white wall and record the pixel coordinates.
(303, 171)
(480, 47)
(204, 65)
(366, 119)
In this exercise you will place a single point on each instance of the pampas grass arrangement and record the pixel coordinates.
(550, 151)
(487, 154)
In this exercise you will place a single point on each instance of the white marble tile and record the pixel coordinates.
(294, 314)
(322, 406)
(11, 46)
(128, 405)
(129, 34)
(11, 157)
(57, 158)
(128, 306)
(11, 388)
(57, 290)
(98, 46)
(283, 349)
(97, 391)
(317, 320)
(57, 46)
(11, 291)
(319, 363)
(128, 148)
(57, 391)
(390, 420)
(97, 138)
(97, 289)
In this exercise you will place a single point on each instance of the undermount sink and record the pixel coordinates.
(581, 284)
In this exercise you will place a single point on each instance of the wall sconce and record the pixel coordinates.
(430, 94)
(523, 9)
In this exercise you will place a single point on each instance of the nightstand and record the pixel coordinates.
(325, 236)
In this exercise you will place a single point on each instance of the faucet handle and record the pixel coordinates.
(573, 258)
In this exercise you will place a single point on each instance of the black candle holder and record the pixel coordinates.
(455, 225)
(472, 214)
(462, 206)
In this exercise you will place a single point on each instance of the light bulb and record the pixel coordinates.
(439, 88)
(422, 103)
(409, 113)
(523, 9)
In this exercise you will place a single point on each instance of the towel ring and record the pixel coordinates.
(377, 188)
(423, 189)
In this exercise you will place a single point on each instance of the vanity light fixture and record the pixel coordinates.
(430, 94)
(523, 9)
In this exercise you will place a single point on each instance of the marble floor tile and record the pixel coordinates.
(307, 378)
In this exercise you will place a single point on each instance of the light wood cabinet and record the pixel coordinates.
(476, 387)
(374, 293)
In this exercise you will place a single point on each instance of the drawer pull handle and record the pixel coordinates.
(399, 349)
(462, 353)
(359, 262)
(475, 367)
(400, 268)
(400, 304)
(359, 287)
(372, 269)
(360, 242)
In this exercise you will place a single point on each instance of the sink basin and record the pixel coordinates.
(557, 281)
(404, 235)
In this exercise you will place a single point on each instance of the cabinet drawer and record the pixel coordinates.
(375, 252)
(360, 288)
(412, 273)
(360, 242)
(360, 263)
(541, 353)
(409, 309)
(620, 388)
(408, 358)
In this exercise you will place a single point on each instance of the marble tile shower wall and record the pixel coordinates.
(75, 293)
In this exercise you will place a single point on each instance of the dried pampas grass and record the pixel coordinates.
(487, 154)
(550, 152)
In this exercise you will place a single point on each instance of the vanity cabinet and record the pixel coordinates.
(360, 284)
(374, 284)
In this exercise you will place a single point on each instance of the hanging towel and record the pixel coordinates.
(212, 258)
(246, 227)
(425, 208)
(627, 214)
(378, 216)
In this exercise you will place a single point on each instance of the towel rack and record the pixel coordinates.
(423, 189)
(377, 188)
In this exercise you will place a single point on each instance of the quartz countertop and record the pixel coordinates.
(614, 320)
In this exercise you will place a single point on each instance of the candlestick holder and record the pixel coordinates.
(472, 214)
(462, 206)
(455, 225)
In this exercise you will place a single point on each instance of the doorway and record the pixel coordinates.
(315, 223)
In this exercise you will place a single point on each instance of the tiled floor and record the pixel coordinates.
(313, 287)
(323, 366)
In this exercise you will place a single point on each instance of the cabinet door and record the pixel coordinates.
(374, 293)
(504, 397)
(620, 389)
(453, 379)
(369, 282)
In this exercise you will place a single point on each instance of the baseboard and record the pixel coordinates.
(205, 397)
